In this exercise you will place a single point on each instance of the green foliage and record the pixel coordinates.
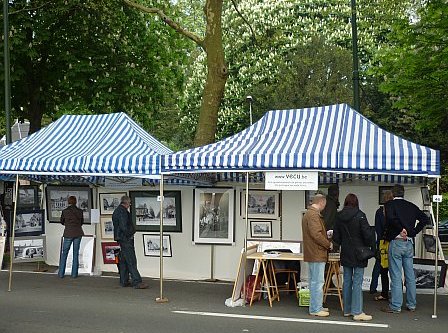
(93, 56)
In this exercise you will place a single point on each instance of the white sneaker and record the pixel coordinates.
(326, 309)
(321, 313)
(362, 317)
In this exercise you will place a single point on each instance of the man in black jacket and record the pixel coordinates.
(124, 232)
(401, 228)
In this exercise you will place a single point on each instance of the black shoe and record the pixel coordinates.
(410, 309)
(389, 310)
(126, 284)
(141, 285)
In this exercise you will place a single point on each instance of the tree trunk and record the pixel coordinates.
(217, 74)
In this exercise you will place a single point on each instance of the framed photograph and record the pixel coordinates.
(57, 197)
(29, 249)
(30, 222)
(381, 190)
(151, 245)
(425, 196)
(86, 255)
(110, 201)
(262, 204)
(110, 251)
(28, 196)
(146, 211)
(260, 229)
(107, 227)
(214, 210)
(309, 195)
(424, 273)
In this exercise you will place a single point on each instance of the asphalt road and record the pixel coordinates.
(42, 302)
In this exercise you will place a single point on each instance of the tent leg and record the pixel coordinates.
(246, 214)
(161, 299)
(436, 280)
(11, 243)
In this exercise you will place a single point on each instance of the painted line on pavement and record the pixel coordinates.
(298, 320)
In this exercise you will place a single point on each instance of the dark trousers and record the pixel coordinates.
(128, 264)
(384, 272)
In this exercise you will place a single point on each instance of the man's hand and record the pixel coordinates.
(404, 234)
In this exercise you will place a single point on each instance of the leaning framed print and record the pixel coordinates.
(151, 245)
(110, 251)
(214, 210)
(262, 204)
(110, 201)
(424, 270)
(29, 249)
(86, 255)
(107, 227)
(29, 222)
(28, 196)
(381, 190)
(57, 197)
(146, 211)
(260, 229)
(425, 196)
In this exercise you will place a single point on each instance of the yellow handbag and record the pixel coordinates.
(384, 250)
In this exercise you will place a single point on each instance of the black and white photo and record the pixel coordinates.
(110, 201)
(425, 274)
(107, 227)
(110, 251)
(86, 255)
(29, 249)
(381, 190)
(29, 222)
(151, 245)
(425, 196)
(28, 196)
(145, 208)
(260, 229)
(57, 197)
(214, 216)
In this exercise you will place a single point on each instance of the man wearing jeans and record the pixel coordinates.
(401, 228)
(124, 232)
(315, 253)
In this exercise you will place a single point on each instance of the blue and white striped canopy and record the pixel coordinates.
(95, 145)
(331, 138)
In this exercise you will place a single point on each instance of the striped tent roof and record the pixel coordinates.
(95, 145)
(331, 138)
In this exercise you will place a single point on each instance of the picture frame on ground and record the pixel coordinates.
(29, 222)
(29, 249)
(151, 245)
(214, 220)
(262, 204)
(381, 190)
(107, 227)
(426, 198)
(110, 201)
(28, 196)
(57, 197)
(86, 255)
(145, 208)
(260, 229)
(424, 273)
(110, 251)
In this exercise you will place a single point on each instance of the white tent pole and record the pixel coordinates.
(11, 243)
(161, 299)
(246, 215)
(436, 234)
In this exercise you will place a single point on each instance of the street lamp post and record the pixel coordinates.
(7, 71)
(356, 101)
(249, 100)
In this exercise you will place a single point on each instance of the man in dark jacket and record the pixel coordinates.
(124, 232)
(72, 219)
(401, 228)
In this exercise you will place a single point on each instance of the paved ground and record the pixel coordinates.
(41, 302)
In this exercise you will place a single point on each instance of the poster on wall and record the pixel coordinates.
(29, 249)
(86, 255)
(146, 211)
(214, 216)
(57, 201)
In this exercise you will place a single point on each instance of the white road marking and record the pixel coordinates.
(286, 319)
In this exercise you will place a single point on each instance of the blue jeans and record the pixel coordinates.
(316, 283)
(65, 249)
(401, 254)
(128, 264)
(352, 290)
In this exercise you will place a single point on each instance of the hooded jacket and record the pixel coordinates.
(352, 230)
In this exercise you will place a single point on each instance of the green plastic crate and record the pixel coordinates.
(304, 297)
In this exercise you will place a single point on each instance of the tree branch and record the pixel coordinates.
(244, 19)
(195, 38)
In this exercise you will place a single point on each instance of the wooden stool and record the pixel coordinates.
(292, 273)
(334, 268)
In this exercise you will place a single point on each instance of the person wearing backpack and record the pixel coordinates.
(353, 233)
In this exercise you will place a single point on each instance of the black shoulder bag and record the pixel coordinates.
(362, 253)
